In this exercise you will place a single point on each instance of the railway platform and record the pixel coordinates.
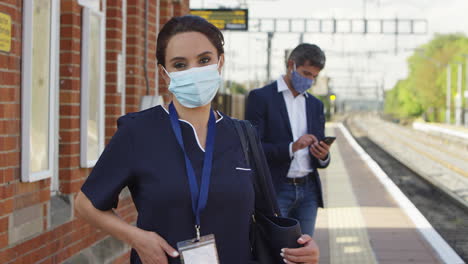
(367, 219)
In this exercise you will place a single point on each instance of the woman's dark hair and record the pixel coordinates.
(188, 23)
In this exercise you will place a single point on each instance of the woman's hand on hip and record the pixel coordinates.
(151, 248)
(308, 254)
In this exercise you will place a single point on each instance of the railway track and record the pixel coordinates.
(444, 210)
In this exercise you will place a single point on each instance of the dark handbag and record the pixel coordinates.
(269, 232)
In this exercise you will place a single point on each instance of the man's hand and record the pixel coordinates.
(319, 150)
(303, 142)
(309, 254)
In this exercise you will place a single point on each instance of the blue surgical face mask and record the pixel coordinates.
(300, 83)
(196, 86)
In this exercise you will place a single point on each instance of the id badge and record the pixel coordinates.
(202, 252)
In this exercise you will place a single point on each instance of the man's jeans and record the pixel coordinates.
(299, 202)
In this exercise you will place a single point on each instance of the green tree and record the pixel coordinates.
(401, 100)
(235, 87)
(423, 92)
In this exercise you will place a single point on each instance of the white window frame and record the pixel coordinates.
(123, 79)
(158, 28)
(93, 4)
(87, 13)
(26, 93)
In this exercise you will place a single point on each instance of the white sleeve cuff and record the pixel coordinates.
(291, 154)
(324, 162)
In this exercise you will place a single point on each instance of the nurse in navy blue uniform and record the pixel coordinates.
(146, 155)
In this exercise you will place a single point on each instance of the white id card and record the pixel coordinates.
(202, 252)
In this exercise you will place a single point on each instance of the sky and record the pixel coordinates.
(354, 70)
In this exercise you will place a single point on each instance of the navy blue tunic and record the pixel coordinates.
(145, 156)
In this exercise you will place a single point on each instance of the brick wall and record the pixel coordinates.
(169, 9)
(67, 241)
(12, 196)
(114, 46)
(70, 173)
(135, 53)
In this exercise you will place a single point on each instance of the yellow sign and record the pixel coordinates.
(224, 19)
(5, 32)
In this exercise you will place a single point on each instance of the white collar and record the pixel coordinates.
(193, 128)
(283, 87)
(219, 119)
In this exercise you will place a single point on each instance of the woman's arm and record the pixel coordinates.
(150, 246)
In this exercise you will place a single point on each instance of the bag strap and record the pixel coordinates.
(254, 153)
(243, 140)
(263, 170)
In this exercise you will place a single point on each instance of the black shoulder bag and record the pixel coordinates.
(269, 232)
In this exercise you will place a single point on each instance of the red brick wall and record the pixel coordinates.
(169, 9)
(135, 53)
(70, 173)
(59, 244)
(10, 109)
(114, 31)
(135, 47)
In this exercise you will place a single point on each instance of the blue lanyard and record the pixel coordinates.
(199, 196)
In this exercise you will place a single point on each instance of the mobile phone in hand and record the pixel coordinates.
(329, 140)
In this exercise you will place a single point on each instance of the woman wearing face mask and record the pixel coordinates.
(172, 157)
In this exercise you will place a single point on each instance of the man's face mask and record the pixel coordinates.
(300, 83)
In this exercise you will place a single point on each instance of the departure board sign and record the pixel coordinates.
(225, 19)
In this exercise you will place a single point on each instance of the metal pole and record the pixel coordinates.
(268, 66)
(465, 94)
(458, 97)
(382, 90)
(364, 10)
(376, 91)
(396, 36)
(449, 91)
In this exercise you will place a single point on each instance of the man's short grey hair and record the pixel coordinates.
(310, 53)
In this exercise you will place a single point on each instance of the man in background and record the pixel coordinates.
(291, 125)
